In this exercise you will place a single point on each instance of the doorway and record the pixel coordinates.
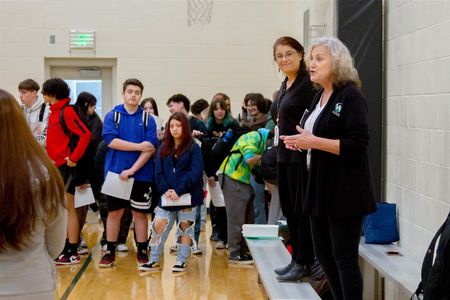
(91, 75)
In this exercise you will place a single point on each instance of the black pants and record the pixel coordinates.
(291, 186)
(336, 242)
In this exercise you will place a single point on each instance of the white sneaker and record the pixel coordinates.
(220, 245)
(196, 250)
(83, 243)
(122, 248)
(82, 250)
(104, 247)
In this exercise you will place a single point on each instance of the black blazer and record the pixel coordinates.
(341, 185)
(290, 109)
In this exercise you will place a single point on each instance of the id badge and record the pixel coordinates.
(276, 137)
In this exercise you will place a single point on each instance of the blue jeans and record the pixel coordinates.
(260, 210)
(157, 240)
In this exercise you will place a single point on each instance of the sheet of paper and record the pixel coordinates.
(216, 195)
(116, 187)
(83, 197)
(183, 200)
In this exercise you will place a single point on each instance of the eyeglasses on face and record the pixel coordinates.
(288, 55)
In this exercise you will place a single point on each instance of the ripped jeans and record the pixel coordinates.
(157, 240)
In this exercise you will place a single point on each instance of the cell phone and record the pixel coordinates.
(391, 253)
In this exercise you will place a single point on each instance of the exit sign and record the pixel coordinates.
(82, 39)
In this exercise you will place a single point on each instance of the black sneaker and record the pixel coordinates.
(214, 236)
(240, 259)
(151, 266)
(179, 267)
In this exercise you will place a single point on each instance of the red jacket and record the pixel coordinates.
(58, 142)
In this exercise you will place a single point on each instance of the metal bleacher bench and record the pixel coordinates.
(401, 271)
(269, 254)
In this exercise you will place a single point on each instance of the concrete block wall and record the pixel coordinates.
(417, 120)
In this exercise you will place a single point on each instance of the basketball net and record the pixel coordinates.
(199, 11)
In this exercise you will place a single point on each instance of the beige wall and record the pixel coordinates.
(152, 41)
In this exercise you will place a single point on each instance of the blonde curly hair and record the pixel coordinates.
(343, 69)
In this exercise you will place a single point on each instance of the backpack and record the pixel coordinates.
(222, 147)
(435, 284)
(41, 112)
(145, 117)
(241, 157)
(268, 169)
(73, 138)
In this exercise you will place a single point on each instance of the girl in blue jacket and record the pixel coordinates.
(179, 171)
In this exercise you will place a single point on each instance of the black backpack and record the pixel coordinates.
(435, 284)
(268, 169)
(222, 147)
(145, 118)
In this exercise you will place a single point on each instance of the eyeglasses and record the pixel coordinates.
(287, 55)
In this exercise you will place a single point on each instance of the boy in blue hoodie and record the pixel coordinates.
(130, 134)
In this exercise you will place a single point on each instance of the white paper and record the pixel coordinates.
(216, 195)
(83, 197)
(116, 187)
(184, 200)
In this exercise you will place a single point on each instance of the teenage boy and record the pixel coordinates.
(238, 193)
(181, 103)
(35, 109)
(56, 92)
(200, 109)
(130, 134)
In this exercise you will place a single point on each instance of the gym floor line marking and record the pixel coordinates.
(76, 278)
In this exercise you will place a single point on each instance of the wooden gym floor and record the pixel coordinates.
(208, 276)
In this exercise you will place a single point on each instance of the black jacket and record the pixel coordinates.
(290, 108)
(341, 185)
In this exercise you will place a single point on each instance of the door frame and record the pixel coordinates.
(108, 67)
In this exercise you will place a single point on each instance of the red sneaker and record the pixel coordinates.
(108, 260)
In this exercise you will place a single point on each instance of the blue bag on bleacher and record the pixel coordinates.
(380, 227)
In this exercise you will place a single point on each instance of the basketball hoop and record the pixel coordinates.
(199, 11)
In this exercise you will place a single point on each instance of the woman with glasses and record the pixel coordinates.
(294, 97)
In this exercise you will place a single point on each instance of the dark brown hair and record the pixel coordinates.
(177, 98)
(31, 187)
(132, 81)
(293, 43)
(168, 148)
